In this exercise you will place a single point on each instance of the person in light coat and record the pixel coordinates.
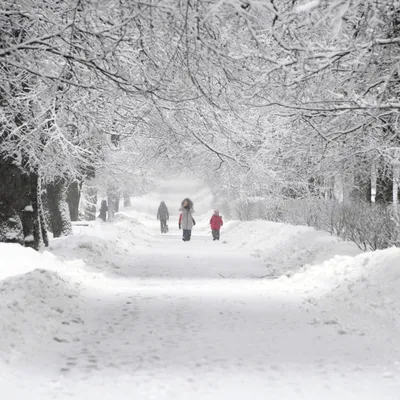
(186, 220)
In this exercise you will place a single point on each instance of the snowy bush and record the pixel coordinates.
(371, 227)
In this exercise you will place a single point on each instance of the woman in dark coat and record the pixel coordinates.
(163, 216)
(103, 210)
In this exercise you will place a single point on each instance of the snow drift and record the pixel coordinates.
(305, 260)
(78, 318)
(285, 248)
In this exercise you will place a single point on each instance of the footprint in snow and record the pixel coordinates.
(60, 340)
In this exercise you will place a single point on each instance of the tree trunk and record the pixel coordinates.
(339, 188)
(374, 180)
(396, 184)
(91, 200)
(113, 201)
(328, 188)
(73, 199)
(12, 202)
(348, 180)
(31, 216)
(58, 209)
(21, 215)
(117, 199)
(43, 225)
(127, 199)
(111, 206)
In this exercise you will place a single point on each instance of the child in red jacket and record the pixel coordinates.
(216, 223)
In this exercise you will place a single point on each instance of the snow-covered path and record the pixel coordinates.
(195, 321)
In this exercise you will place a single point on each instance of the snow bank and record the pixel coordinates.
(125, 217)
(329, 273)
(367, 271)
(347, 289)
(341, 305)
(95, 249)
(285, 248)
(41, 292)
(34, 297)
(18, 260)
(370, 281)
(105, 247)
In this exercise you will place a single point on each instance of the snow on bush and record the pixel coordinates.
(370, 227)
(306, 7)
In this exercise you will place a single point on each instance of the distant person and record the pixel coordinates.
(163, 216)
(103, 210)
(186, 220)
(216, 223)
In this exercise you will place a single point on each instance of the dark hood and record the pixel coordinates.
(190, 202)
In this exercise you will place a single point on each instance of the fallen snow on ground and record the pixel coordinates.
(283, 248)
(119, 311)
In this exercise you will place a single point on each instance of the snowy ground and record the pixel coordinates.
(118, 311)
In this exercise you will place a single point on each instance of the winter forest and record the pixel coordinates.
(276, 104)
(286, 111)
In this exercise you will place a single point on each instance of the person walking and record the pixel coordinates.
(186, 220)
(163, 216)
(103, 210)
(216, 223)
